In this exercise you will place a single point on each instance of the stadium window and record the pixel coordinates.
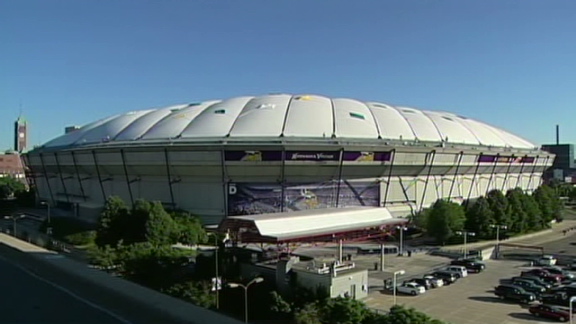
(220, 111)
(356, 115)
(194, 104)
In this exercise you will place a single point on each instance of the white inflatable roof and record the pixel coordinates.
(291, 116)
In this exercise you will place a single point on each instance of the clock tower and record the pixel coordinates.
(20, 135)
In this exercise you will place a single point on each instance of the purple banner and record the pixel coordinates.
(505, 159)
(260, 198)
(307, 156)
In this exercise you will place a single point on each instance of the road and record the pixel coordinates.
(27, 298)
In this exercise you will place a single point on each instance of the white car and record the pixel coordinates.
(411, 288)
(547, 260)
(434, 282)
(462, 271)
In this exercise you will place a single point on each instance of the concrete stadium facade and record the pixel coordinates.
(277, 153)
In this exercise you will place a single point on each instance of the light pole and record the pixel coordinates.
(572, 299)
(498, 227)
(401, 229)
(48, 207)
(396, 273)
(236, 285)
(217, 280)
(14, 219)
(465, 234)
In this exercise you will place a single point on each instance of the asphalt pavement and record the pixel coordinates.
(27, 298)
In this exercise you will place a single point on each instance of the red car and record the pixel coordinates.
(541, 273)
(550, 311)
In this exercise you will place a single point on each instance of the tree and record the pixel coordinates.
(545, 199)
(533, 214)
(402, 315)
(572, 194)
(479, 217)
(197, 292)
(343, 310)
(444, 219)
(10, 186)
(105, 257)
(499, 206)
(189, 229)
(160, 227)
(420, 218)
(110, 228)
(309, 314)
(281, 308)
(518, 216)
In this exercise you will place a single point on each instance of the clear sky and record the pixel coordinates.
(508, 63)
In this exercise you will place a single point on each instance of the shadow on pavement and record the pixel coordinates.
(489, 299)
(530, 317)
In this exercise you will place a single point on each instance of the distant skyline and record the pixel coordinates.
(506, 63)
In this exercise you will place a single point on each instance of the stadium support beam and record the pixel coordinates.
(492, 173)
(61, 177)
(392, 158)
(224, 180)
(47, 179)
(78, 175)
(169, 176)
(473, 178)
(128, 184)
(460, 157)
(507, 172)
(520, 175)
(340, 167)
(99, 175)
(534, 169)
(30, 174)
(431, 157)
(283, 179)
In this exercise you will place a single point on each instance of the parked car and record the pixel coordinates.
(514, 293)
(569, 290)
(449, 277)
(471, 265)
(557, 298)
(544, 275)
(422, 282)
(460, 270)
(434, 281)
(529, 286)
(411, 288)
(546, 260)
(559, 271)
(535, 280)
(550, 311)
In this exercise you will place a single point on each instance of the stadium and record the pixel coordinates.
(277, 153)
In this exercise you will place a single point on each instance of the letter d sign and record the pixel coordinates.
(232, 190)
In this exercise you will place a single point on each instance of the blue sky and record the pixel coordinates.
(508, 63)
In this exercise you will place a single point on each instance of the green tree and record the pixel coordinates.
(518, 216)
(479, 217)
(308, 314)
(189, 229)
(403, 315)
(420, 218)
(444, 219)
(111, 224)
(544, 197)
(10, 186)
(342, 310)
(572, 194)
(499, 206)
(533, 215)
(105, 257)
(160, 227)
(139, 215)
(197, 292)
(280, 307)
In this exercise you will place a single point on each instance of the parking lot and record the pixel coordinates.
(471, 300)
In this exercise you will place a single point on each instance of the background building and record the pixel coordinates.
(20, 135)
(278, 153)
(11, 165)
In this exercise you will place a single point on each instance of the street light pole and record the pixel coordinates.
(217, 280)
(572, 299)
(245, 287)
(14, 219)
(396, 273)
(465, 234)
(48, 209)
(401, 229)
(498, 227)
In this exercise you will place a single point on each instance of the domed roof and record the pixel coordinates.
(294, 116)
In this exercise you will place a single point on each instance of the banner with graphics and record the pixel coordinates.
(258, 198)
(333, 156)
(505, 159)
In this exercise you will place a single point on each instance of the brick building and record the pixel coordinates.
(11, 165)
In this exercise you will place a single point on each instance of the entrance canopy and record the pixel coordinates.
(312, 225)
